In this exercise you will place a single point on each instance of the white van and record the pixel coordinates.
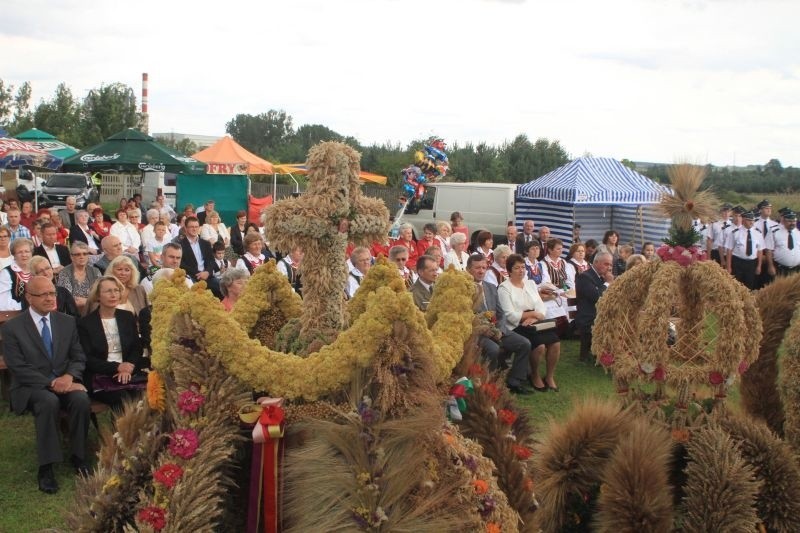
(157, 183)
(487, 206)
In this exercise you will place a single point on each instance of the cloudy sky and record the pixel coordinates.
(650, 80)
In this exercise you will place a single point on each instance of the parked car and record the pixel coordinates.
(59, 186)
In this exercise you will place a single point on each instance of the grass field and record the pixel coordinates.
(24, 509)
(750, 200)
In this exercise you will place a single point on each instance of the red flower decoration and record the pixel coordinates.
(607, 359)
(190, 401)
(528, 485)
(168, 475)
(491, 390)
(507, 416)
(660, 374)
(743, 366)
(183, 443)
(475, 370)
(458, 391)
(522, 452)
(481, 487)
(155, 517)
(715, 378)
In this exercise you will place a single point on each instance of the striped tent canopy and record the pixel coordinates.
(599, 194)
(594, 180)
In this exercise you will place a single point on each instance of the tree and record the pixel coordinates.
(23, 118)
(774, 167)
(522, 161)
(184, 146)
(6, 103)
(298, 144)
(474, 163)
(106, 111)
(60, 116)
(264, 134)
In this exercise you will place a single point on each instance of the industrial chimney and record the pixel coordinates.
(145, 121)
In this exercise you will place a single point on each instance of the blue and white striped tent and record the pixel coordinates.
(598, 193)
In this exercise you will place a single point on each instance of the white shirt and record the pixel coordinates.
(127, 234)
(354, 279)
(459, 263)
(737, 241)
(52, 255)
(778, 242)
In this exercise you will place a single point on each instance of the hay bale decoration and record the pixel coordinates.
(717, 325)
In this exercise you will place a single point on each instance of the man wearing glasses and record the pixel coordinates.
(46, 361)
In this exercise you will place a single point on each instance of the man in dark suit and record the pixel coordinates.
(46, 361)
(422, 288)
(589, 286)
(510, 239)
(525, 237)
(198, 257)
(57, 254)
(510, 343)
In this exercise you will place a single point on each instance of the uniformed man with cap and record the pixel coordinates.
(745, 251)
(736, 222)
(715, 234)
(783, 246)
(765, 225)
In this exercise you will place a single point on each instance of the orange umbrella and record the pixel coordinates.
(299, 168)
(226, 156)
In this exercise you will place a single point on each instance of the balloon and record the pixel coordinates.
(435, 154)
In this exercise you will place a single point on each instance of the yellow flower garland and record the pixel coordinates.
(331, 368)
(264, 290)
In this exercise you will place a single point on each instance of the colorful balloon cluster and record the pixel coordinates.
(429, 165)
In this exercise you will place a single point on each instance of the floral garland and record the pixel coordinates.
(632, 342)
(291, 376)
(265, 290)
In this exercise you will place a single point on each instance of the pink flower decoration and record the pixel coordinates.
(660, 374)
(743, 366)
(183, 443)
(715, 378)
(190, 401)
(155, 517)
(607, 359)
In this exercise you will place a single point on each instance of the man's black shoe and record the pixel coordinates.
(519, 389)
(47, 481)
(81, 468)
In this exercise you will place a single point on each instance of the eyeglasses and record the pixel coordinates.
(51, 294)
(111, 291)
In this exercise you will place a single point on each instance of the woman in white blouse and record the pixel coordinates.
(522, 308)
(127, 233)
(457, 256)
(214, 230)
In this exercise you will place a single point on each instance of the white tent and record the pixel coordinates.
(599, 194)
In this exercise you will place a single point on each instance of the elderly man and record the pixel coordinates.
(525, 237)
(544, 236)
(67, 215)
(399, 256)
(198, 257)
(112, 248)
(510, 343)
(171, 256)
(45, 377)
(510, 239)
(202, 211)
(589, 287)
(18, 231)
(57, 254)
(358, 265)
(422, 289)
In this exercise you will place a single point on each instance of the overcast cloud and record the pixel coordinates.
(649, 80)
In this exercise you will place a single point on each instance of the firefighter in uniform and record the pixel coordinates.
(783, 246)
(745, 251)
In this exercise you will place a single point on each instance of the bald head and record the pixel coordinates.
(41, 294)
(112, 246)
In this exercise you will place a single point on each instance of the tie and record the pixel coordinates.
(748, 249)
(791, 241)
(47, 338)
(765, 228)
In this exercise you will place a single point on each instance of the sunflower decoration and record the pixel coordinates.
(687, 203)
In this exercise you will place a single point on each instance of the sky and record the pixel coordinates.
(714, 81)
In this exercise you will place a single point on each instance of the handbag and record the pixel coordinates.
(542, 325)
(101, 383)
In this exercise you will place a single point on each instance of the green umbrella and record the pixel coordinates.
(47, 142)
(131, 150)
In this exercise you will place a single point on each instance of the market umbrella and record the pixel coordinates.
(131, 150)
(299, 168)
(15, 154)
(226, 156)
(47, 142)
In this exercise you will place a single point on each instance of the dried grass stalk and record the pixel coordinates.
(687, 202)
(759, 391)
(778, 501)
(635, 496)
(790, 383)
(569, 462)
(721, 488)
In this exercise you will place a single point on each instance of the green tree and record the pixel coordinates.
(474, 163)
(522, 161)
(184, 146)
(628, 163)
(774, 167)
(60, 116)
(297, 145)
(264, 134)
(6, 103)
(107, 110)
(23, 118)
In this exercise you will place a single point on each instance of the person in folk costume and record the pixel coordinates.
(399, 256)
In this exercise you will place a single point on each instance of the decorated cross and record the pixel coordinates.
(330, 213)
